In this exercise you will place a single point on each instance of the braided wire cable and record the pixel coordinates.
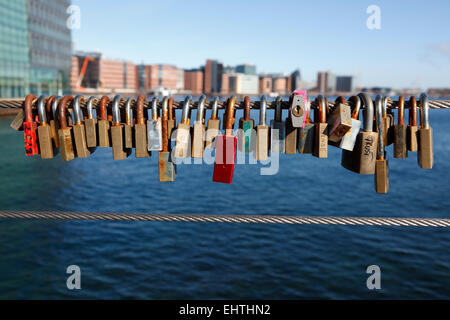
(260, 219)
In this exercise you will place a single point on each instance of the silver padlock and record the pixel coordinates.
(348, 140)
(297, 110)
(154, 128)
(277, 129)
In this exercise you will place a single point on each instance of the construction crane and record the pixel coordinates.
(83, 72)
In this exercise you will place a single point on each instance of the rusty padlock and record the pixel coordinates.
(213, 125)
(79, 132)
(167, 168)
(306, 134)
(171, 122)
(117, 134)
(104, 132)
(44, 131)
(90, 125)
(226, 148)
(388, 123)
(339, 121)
(154, 129)
(349, 139)
(425, 133)
(30, 127)
(277, 129)
(128, 127)
(399, 132)
(262, 132)
(412, 125)
(65, 134)
(140, 130)
(381, 163)
(182, 143)
(198, 135)
(246, 133)
(321, 129)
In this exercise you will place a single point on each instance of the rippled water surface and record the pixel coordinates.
(188, 260)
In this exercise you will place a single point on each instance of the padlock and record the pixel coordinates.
(154, 129)
(339, 121)
(412, 125)
(277, 129)
(44, 131)
(117, 135)
(54, 121)
(307, 133)
(184, 131)
(90, 125)
(226, 147)
(213, 125)
(246, 136)
(362, 159)
(388, 123)
(51, 122)
(262, 132)
(65, 134)
(167, 168)
(297, 108)
(399, 131)
(104, 132)
(348, 141)
(198, 135)
(171, 122)
(30, 127)
(128, 127)
(140, 130)
(381, 163)
(290, 145)
(425, 135)
(79, 132)
(321, 129)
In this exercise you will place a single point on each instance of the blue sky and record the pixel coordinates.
(411, 49)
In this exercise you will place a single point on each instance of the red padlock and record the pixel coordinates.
(30, 127)
(226, 148)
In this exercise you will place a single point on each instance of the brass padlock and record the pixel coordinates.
(339, 121)
(65, 134)
(412, 125)
(79, 131)
(277, 129)
(321, 129)
(104, 134)
(198, 135)
(128, 127)
(262, 132)
(51, 121)
(90, 125)
(381, 164)
(154, 130)
(349, 139)
(167, 168)
(213, 125)
(400, 148)
(388, 123)
(425, 154)
(140, 131)
(246, 132)
(182, 143)
(44, 131)
(290, 145)
(307, 133)
(117, 135)
(171, 122)
(362, 159)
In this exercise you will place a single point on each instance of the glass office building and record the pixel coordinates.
(35, 47)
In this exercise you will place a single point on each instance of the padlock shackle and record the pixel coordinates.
(62, 111)
(201, 108)
(340, 99)
(77, 109)
(170, 109)
(230, 116)
(214, 108)
(379, 121)
(27, 107)
(247, 108)
(103, 103)
(278, 110)
(412, 113)
(186, 109)
(165, 125)
(140, 110)
(262, 110)
(356, 101)
(41, 110)
(367, 102)
(322, 109)
(89, 107)
(401, 110)
(129, 112)
(116, 110)
(155, 108)
(48, 106)
(424, 111)
(308, 112)
(55, 104)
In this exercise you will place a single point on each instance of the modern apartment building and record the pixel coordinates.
(344, 84)
(193, 81)
(213, 76)
(240, 83)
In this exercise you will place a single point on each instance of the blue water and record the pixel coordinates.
(189, 261)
